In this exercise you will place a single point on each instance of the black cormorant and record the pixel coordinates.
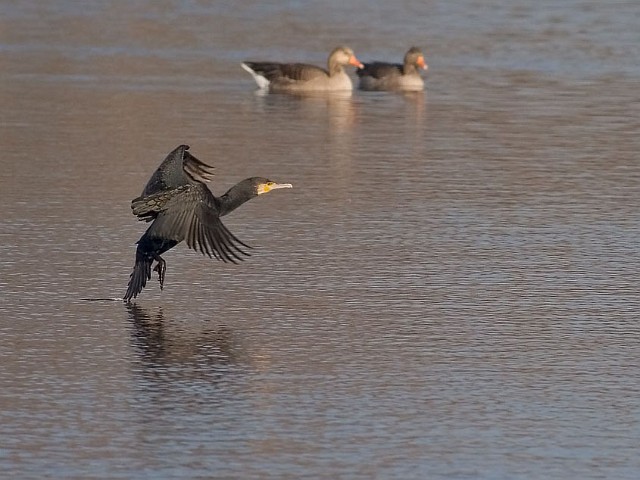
(181, 207)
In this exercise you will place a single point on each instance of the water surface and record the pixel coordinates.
(449, 291)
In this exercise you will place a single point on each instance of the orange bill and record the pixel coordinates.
(355, 62)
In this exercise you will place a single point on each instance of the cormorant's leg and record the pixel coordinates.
(161, 268)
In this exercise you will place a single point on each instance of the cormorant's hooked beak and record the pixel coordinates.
(267, 187)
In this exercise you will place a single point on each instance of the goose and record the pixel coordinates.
(393, 76)
(302, 77)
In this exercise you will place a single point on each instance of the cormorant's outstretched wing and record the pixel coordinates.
(191, 214)
(379, 70)
(179, 168)
(147, 208)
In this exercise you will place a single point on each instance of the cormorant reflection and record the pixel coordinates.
(170, 353)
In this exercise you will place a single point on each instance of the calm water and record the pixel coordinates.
(449, 291)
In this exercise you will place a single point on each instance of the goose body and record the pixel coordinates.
(303, 77)
(393, 76)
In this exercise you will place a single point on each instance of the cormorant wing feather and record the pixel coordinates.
(192, 215)
(197, 169)
(177, 169)
(147, 208)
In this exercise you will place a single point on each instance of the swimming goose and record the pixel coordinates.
(393, 76)
(302, 77)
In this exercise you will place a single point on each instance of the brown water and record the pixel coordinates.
(449, 291)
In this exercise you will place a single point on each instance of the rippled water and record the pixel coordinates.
(449, 291)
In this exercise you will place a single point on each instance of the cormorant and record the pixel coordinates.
(181, 207)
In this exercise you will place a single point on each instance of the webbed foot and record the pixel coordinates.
(161, 268)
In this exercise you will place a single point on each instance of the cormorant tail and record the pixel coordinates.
(141, 273)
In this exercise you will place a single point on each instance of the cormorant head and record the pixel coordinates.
(264, 185)
(246, 190)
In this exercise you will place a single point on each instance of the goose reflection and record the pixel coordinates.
(337, 109)
(415, 108)
(174, 354)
